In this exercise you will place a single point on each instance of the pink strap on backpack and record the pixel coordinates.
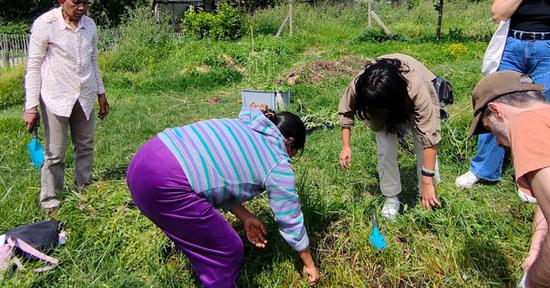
(35, 253)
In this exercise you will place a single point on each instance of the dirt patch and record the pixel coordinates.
(231, 64)
(213, 101)
(320, 70)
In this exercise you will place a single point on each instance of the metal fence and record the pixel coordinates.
(13, 49)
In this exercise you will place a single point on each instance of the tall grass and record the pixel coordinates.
(478, 239)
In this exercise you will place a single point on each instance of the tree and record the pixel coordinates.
(439, 8)
(24, 10)
(104, 12)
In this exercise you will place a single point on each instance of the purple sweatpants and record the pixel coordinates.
(162, 192)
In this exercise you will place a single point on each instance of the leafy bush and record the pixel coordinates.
(226, 24)
(198, 23)
(9, 27)
(24, 10)
(111, 12)
(144, 40)
(229, 22)
(11, 86)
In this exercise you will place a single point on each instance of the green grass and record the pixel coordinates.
(478, 239)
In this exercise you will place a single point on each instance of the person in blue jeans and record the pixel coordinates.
(527, 51)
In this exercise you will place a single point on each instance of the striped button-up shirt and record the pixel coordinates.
(230, 161)
(62, 67)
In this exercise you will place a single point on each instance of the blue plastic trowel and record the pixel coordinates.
(35, 149)
(376, 239)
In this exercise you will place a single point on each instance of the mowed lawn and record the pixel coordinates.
(477, 239)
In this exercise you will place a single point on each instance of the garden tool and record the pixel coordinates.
(35, 149)
(376, 238)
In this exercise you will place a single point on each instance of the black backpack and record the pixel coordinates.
(444, 92)
(31, 242)
(42, 236)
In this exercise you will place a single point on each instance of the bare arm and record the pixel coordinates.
(254, 229)
(539, 272)
(429, 197)
(309, 267)
(345, 154)
(540, 229)
(504, 9)
(430, 155)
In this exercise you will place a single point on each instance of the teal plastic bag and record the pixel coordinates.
(35, 149)
(376, 238)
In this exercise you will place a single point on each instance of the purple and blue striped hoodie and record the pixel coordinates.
(230, 161)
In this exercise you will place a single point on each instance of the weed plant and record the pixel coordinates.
(226, 24)
(477, 239)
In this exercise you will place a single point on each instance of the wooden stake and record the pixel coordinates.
(282, 27)
(369, 15)
(377, 19)
(290, 18)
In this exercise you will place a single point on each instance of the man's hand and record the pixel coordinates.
(103, 106)
(31, 118)
(429, 199)
(345, 158)
(255, 231)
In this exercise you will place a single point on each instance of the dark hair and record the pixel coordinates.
(289, 125)
(382, 88)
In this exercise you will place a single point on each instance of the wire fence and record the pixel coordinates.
(13, 49)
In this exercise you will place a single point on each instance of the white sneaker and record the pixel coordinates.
(466, 180)
(391, 208)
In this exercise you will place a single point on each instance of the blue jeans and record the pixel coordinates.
(525, 56)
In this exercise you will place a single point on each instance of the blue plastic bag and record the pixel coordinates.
(35, 149)
(376, 238)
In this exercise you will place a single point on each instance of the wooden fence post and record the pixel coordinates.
(369, 15)
(4, 54)
(290, 18)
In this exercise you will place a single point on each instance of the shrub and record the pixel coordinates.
(229, 22)
(226, 24)
(198, 23)
(9, 27)
(144, 40)
(111, 12)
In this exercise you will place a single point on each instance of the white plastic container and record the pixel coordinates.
(273, 99)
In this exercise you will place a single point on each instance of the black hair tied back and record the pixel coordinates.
(289, 125)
